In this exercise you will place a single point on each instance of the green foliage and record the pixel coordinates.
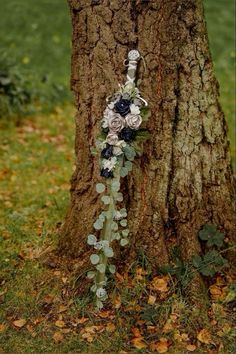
(210, 234)
(16, 92)
(100, 187)
(210, 263)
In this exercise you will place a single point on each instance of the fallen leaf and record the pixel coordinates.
(152, 300)
(160, 284)
(31, 330)
(19, 323)
(168, 327)
(82, 320)
(110, 327)
(60, 323)
(62, 308)
(138, 343)
(204, 336)
(136, 332)
(191, 347)
(58, 337)
(161, 346)
(2, 327)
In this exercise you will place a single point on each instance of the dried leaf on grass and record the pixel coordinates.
(58, 337)
(204, 336)
(19, 323)
(161, 346)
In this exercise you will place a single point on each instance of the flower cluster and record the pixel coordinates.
(121, 121)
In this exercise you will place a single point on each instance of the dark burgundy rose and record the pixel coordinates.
(127, 134)
(106, 153)
(106, 173)
(122, 106)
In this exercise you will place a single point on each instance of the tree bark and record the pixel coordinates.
(184, 178)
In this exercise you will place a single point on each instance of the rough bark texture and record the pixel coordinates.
(184, 178)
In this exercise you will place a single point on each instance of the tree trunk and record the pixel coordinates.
(184, 177)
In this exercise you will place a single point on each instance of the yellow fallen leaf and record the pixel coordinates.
(110, 327)
(82, 320)
(160, 284)
(161, 346)
(138, 343)
(191, 347)
(2, 327)
(31, 330)
(204, 336)
(60, 323)
(58, 337)
(62, 308)
(19, 323)
(152, 300)
(168, 327)
(136, 332)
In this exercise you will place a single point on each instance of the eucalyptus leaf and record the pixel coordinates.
(94, 258)
(101, 268)
(98, 225)
(93, 288)
(112, 268)
(99, 304)
(125, 232)
(114, 226)
(128, 165)
(91, 240)
(108, 251)
(91, 275)
(123, 222)
(100, 187)
(106, 199)
(129, 152)
(124, 242)
(119, 197)
(123, 212)
(124, 172)
(115, 186)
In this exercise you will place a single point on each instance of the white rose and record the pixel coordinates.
(134, 109)
(116, 123)
(133, 121)
(101, 292)
(112, 138)
(107, 114)
(109, 164)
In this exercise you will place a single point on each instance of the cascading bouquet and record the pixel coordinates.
(122, 131)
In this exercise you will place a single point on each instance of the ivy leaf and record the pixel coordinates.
(91, 240)
(123, 222)
(124, 242)
(99, 304)
(112, 268)
(94, 258)
(106, 199)
(210, 234)
(124, 172)
(100, 187)
(101, 268)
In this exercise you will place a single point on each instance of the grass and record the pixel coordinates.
(36, 161)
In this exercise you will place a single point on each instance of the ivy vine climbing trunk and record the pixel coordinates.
(184, 178)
